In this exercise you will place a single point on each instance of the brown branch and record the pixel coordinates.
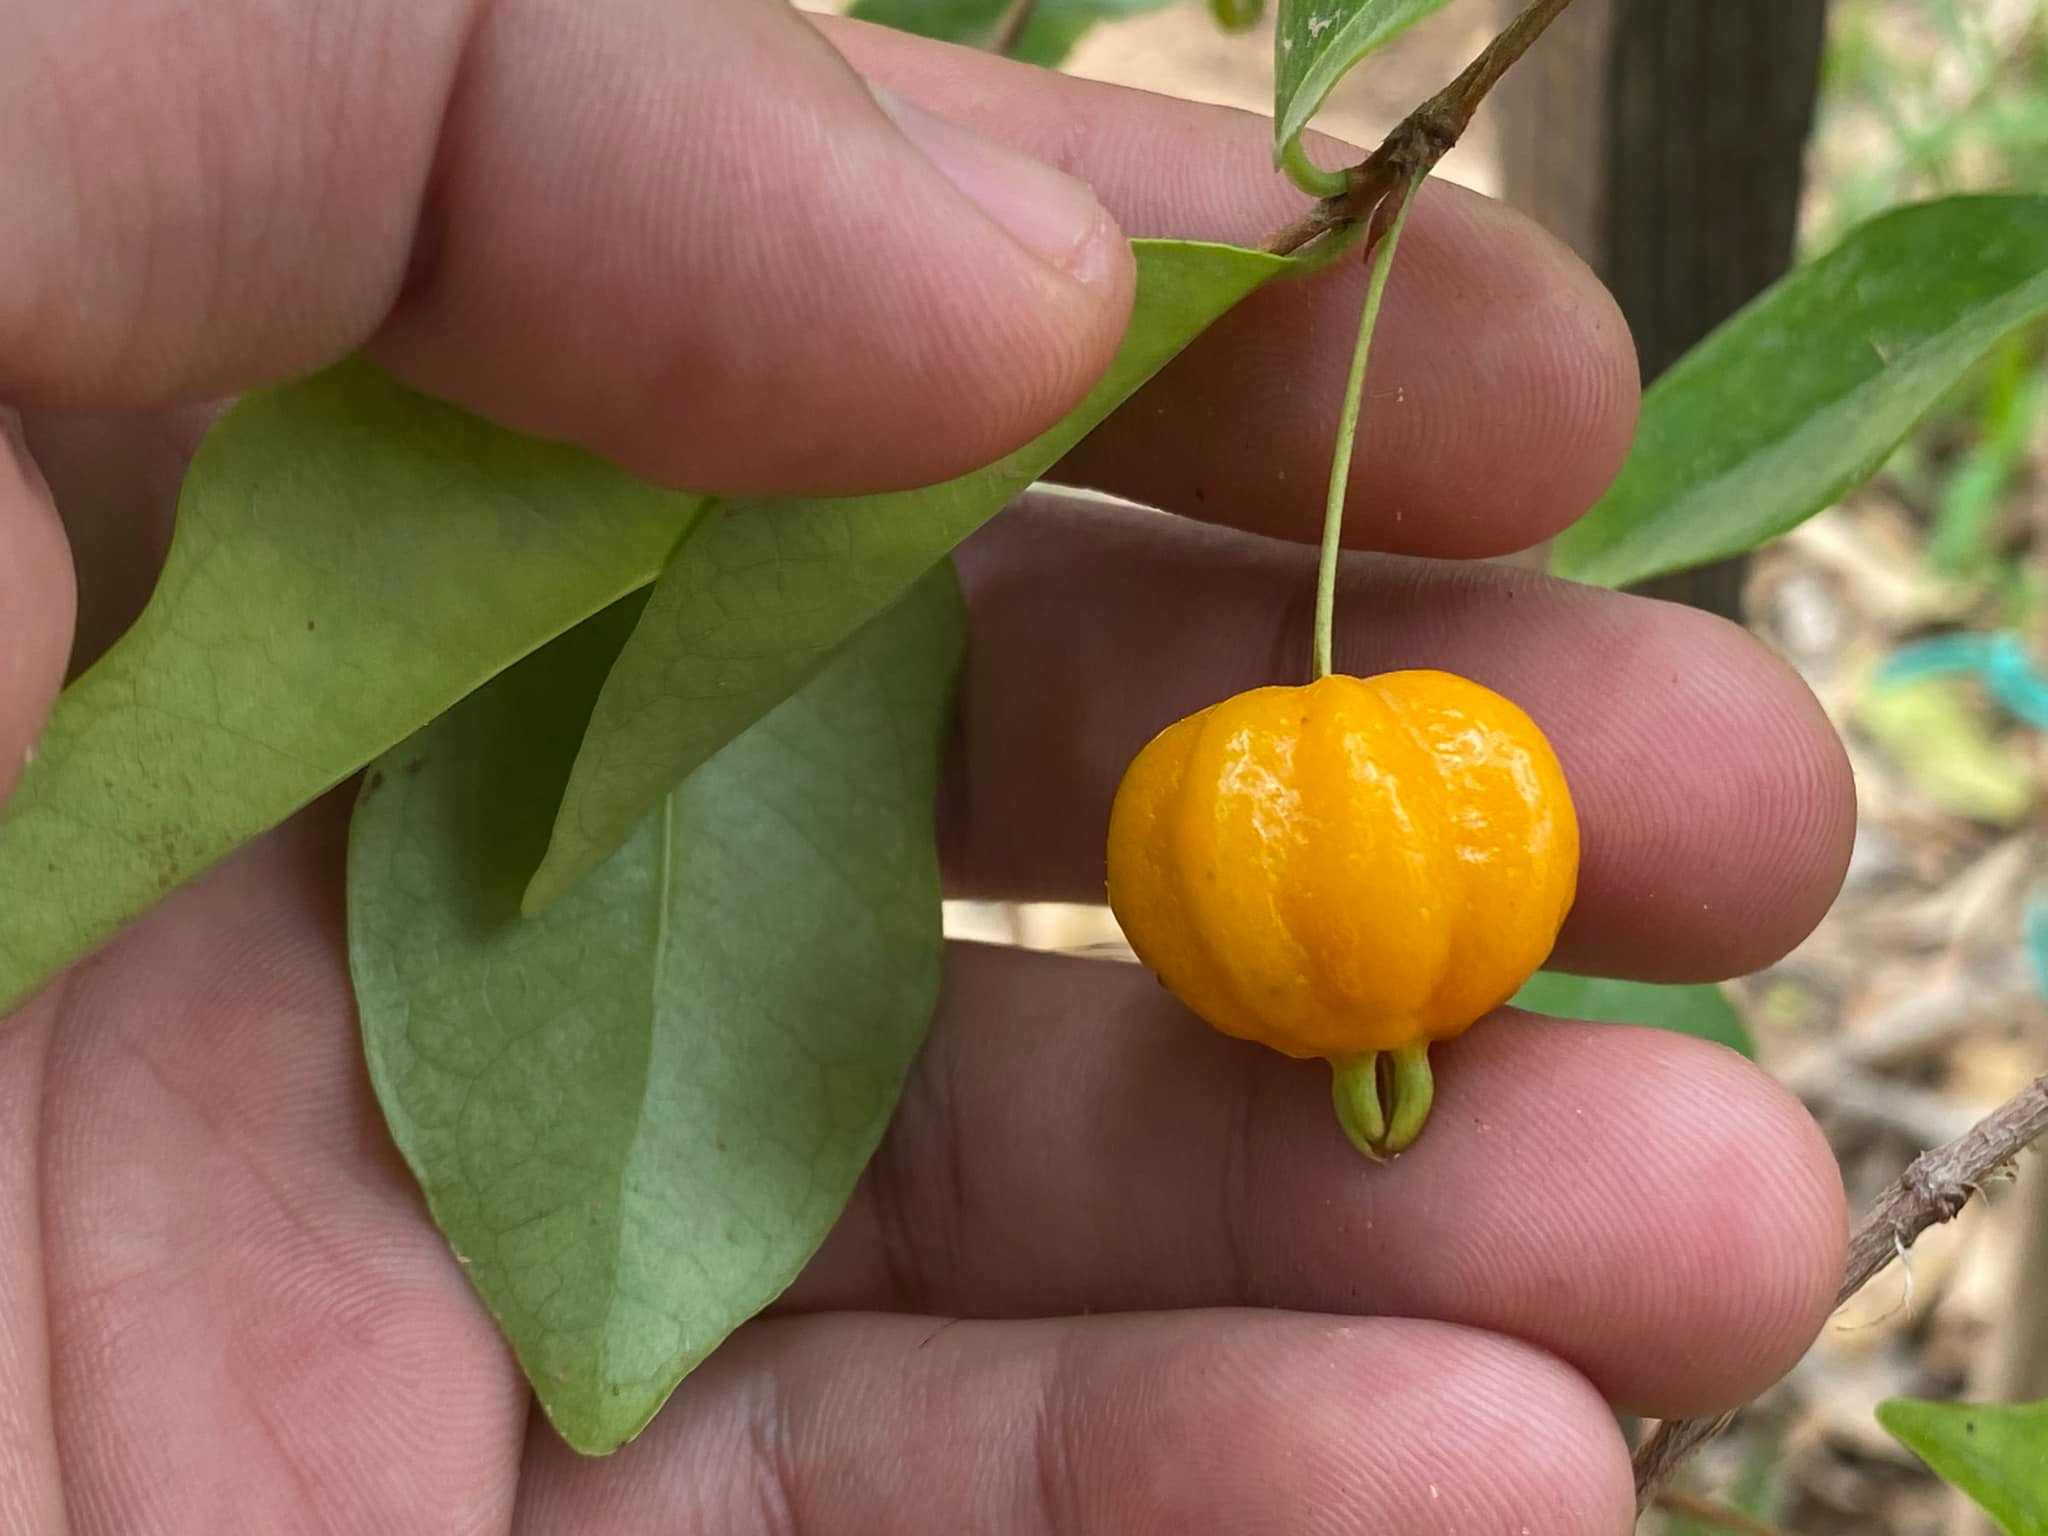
(1935, 1188)
(1009, 28)
(1675, 1501)
(1424, 136)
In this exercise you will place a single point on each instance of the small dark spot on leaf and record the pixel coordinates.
(374, 783)
(1969, 1426)
(412, 768)
(309, 626)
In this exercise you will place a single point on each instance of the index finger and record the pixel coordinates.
(1504, 386)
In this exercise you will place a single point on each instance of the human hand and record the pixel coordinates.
(1182, 1302)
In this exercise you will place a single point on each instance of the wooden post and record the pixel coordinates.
(1665, 141)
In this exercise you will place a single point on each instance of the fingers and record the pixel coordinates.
(31, 1472)
(688, 237)
(115, 479)
(594, 224)
(248, 1309)
(1652, 1210)
(1714, 800)
(1504, 386)
(1217, 1424)
(36, 604)
(36, 601)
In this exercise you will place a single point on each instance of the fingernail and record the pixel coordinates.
(1054, 217)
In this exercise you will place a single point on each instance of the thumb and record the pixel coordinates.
(720, 258)
(683, 233)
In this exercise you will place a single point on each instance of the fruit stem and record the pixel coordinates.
(1347, 430)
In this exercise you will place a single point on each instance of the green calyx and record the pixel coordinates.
(1383, 1098)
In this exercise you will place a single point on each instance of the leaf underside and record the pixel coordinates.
(767, 589)
(1805, 393)
(352, 558)
(636, 1116)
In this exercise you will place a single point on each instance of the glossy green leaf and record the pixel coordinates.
(1996, 1453)
(1801, 396)
(636, 1116)
(2008, 418)
(767, 590)
(350, 559)
(1316, 41)
(1051, 33)
(1703, 1012)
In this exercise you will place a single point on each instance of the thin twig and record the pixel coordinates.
(1935, 1188)
(1424, 136)
(1009, 28)
(1676, 1501)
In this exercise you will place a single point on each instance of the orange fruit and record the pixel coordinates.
(1351, 869)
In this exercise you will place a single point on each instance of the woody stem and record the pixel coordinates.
(1421, 138)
